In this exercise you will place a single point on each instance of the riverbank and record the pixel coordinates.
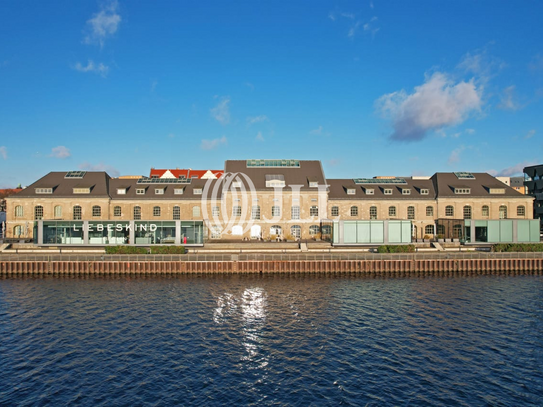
(361, 263)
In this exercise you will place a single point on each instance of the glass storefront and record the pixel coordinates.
(119, 233)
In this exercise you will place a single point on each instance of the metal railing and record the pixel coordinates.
(78, 257)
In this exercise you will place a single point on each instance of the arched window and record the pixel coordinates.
(296, 231)
(449, 210)
(195, 211)
(335, 211)
(117, 211)
(391, 211)
(467, 212)
(18, 211)
(429, 211)
(137, 213)
(354, 210)
(410, 212)
(429, 230)
(17, 231)
(314, 229)
(38, 212)
(156, 210)
(96, 211)
(275, 230)
(485, 211)
(255, 212)
(76, 212)
(58, 211)
(503, 212)
(521, 210)
(176, 213)
(373, 212)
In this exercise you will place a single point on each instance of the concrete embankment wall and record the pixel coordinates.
(399, 267)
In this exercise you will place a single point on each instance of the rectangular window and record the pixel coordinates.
(373, 212)
(81, 190)
(276, 210)
(295, 212)
(462, 191)
(121, 191)
(370, 191)
(411, 212)
(215, 211)
(392, 211)
(313, 184)
(351, 191)
(178, 191)
(197, 191)
(236, 211)
(406, 191)
(314, 211)
(44, 190)
(429, 211)
(195, 211)
(335, 211)
(140, 191)
(424, 191)
(159, 191)
(215, 232)
(255, 212)
(387, 191)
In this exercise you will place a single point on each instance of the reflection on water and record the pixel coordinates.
(272, 340)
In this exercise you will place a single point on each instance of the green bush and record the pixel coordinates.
(407, 248)
(145, 250)
(125, 250)
(167, 249)
(518, 247)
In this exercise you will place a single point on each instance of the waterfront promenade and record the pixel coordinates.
(426, 263)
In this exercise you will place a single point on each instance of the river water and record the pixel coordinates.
(272, 340)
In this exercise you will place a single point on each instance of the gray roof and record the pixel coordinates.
(338, 189)
(62, 187)
(131, 185)
(445, 182)
(308, 170)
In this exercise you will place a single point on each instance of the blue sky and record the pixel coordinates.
(367, 87)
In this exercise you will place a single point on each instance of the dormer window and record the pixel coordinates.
(424, 191)
(275, 181)
(81, 190)
(236, 184)
(197, 191)
(159, 191)
(351, 191)
(44, 190)
(406, 191)
(370, 191)
(140, 191)
(121, 191)
(462, 191)
(387, 191)
(313, 184)
(496, 191)
(178, 191)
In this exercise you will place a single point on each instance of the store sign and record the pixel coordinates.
(119, 227)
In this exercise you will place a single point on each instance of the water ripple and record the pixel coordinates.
(271, 340)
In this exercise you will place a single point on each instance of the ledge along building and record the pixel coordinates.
(269, 200)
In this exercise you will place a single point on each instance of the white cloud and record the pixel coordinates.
(221, 112)
(371, 26)
(99, 69)
(317, 131)
(103, 24)
(250, 86)
(259, 136)
(536, 64)
(508, 99)
(529, 135)
(60, 152)
(354, 29)
(256, 119)
(213, 144)
(455, 155)
(436, 104)
(4, 152)
(86, 166)
(470, 131)
(515, 169)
